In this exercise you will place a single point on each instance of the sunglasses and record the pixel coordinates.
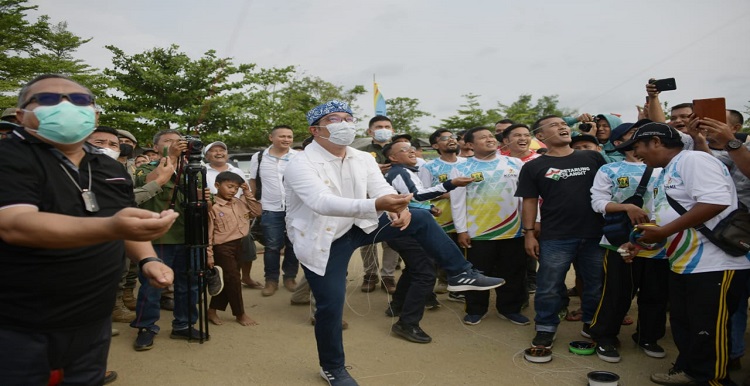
(51, 99)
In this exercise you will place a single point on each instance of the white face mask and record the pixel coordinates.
(382, 135)
(341, 133)
(110, 152)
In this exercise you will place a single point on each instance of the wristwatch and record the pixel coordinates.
(733, 145)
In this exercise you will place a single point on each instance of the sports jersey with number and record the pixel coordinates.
(436, 172)
(487, 208)
(693, 177)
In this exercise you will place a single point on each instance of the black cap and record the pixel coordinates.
(400, 136)
(584, 138)
(651, 129)
(619, 131)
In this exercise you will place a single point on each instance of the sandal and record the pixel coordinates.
(627, 320)
(574, 316)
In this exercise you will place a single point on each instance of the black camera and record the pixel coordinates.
(585, 126)
(194, 148)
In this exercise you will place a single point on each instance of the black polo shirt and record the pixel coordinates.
(57, 289)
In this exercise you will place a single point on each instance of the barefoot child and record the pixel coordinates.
(228, 225)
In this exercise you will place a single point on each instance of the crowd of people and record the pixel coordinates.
(509, 207)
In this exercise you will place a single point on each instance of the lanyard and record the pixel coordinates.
(89, 198)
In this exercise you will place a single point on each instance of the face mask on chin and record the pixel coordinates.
(341, 133)
(64, 123)
(109, 152)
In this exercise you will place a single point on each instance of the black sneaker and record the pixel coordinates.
(411, 333)
(608, 353)
(215, 280)
(145, 340)
(188, 333)
(338, 377)
(673, 377)
(473, 280)
(531, 288)
(651, 349)
(585, 331)
(544, 339)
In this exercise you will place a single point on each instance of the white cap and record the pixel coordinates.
(212, 144)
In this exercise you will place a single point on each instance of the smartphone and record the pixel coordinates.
(665, 84)
(165, 151)
(714, 108)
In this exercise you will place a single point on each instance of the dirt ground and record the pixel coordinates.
(281, 349)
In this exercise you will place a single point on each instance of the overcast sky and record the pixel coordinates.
(596, 55)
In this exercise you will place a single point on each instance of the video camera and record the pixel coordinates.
(194, 150)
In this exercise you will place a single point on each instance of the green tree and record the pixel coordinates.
(404, 114)
(524, 110)
(164, 88)
(470, 115)
(30, 48)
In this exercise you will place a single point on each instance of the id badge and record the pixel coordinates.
(89, 201)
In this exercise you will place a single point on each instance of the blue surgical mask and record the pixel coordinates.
(65, 123)
(382, 135)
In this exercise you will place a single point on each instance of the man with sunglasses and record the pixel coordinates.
(336, 199)
(66, 219)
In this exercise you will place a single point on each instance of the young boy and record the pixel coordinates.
(228, 225)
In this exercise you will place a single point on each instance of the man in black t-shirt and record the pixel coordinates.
(570, 230)
(64, 217)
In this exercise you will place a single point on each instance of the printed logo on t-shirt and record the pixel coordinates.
(511, 173)
(670, 184)
(477, 176)
(623, 182)
(443, 177)
(557, 174)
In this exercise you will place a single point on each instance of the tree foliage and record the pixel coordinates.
(524, 110)
(404, 113)
(470, 114)
(28, 49)
(211, 96)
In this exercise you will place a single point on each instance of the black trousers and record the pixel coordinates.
(699, 310)
(416, 281)
(498, 258)
(27, 358)
(646, 277)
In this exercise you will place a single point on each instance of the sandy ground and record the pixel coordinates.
(281, 349)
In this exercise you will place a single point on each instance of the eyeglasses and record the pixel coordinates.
(407, 149)
(337, 119)
(52, 98)
(447, 138)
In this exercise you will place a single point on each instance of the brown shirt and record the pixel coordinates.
(230, 220)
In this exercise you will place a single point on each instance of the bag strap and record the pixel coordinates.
(641, 190)
(258, 183)
(681, 210)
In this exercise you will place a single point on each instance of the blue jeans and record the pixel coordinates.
(177, 257)
(274, 231)
(329, 290)
(555, 257)
(738, 321)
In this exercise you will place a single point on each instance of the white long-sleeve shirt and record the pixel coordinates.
(326, 196)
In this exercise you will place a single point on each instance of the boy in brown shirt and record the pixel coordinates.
(228, 225)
